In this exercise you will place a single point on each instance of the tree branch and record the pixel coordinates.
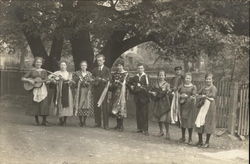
(133, 41)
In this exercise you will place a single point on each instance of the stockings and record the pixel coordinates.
(207, 138)
(183, 132)
(119, 123)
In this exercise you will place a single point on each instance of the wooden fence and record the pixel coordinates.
(231, 101)
(242, 124)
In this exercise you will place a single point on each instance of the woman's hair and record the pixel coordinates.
(120, 62)
(160, 72)
(62, 61)
(37, 58)
(188, 74)
(208, 74)
(83, 61)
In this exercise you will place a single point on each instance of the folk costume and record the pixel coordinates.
(38, 106)
(206, 115)
(161, 106)
(187, 110)
(61, 103)
(119, 93)
(83, 102)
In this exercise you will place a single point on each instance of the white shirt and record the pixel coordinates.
(142, 75)
(100, 67)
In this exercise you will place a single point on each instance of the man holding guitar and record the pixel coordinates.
(34, 81)
(101, 75)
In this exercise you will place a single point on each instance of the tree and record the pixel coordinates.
(181, 29)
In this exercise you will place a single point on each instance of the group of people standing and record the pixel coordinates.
(81, 92)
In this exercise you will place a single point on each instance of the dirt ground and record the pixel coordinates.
(23, 143)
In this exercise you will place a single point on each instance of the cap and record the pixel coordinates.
(178, 68)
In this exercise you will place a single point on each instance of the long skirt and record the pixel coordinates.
(57, 109)
(162, 110)
(210, 121)
(85, 102)
(164, 118)
(188, 112)
(119, 108)
(37, 108)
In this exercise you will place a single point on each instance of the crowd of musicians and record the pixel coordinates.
(65, 94)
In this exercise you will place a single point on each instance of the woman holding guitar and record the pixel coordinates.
(62, 99)
(35, 79)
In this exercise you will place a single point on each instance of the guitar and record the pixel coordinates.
(38, 82)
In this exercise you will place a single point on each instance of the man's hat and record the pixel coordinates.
(178, 68)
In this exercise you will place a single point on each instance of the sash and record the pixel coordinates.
(174, 111)
(103, 95)
(122, 97)
(200, 120)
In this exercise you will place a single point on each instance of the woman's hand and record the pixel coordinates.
(132, 87)
(192, 97)
(31, 81)
(183, 95)
(153, 93)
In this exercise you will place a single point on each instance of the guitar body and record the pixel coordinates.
(38, 83)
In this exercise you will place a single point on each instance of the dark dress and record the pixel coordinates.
(187, 106)
(176, 82)
(161, 105)
(119, 92)
(37, 108)
(210, 120)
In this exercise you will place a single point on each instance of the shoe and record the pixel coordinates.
(81, 124)
(138, 131)
(106, 128)
(115, 128)
(190, 142)
(167, 136)
(64, 123)
(45, 123)
(160, 134)
(199, 144)
(146, 133)
(120, 129)
(97, 126)
(181, 140)
(206, 145)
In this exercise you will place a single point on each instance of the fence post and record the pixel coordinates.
(233, 106)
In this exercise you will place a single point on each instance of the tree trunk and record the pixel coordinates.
(186, 66)
(33, 38)
(22, 57)
(112, 49)
(82, 49)
(55, 51)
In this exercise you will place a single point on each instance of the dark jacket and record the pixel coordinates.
(141, 87)
(176, 82)
(100, 77)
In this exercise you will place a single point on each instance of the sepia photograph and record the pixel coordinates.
(124, 81)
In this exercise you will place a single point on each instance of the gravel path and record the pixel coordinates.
(22, 142)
